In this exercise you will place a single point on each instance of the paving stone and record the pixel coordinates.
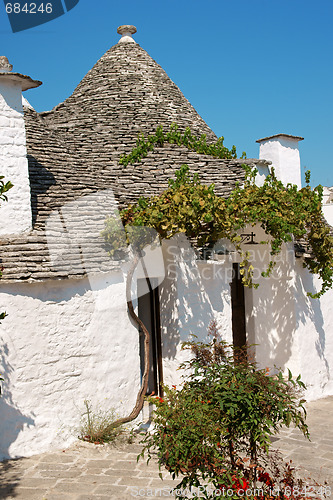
(100, 464)
(58, 474)
(93, 497)
(72, 487)
(110, 489)
(95, 471)
(135, 481)
(147, 474)
(322, 448)
(54, 466)
(121, 472)
(37, 482)
(134, 449)
(125, 465)
(164, 485)
(59, 496)
(133, 457)
(29, 494)
(95, 478)
(59, 459)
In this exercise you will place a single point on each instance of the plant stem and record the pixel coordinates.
(144, 384)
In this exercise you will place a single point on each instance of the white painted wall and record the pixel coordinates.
(327, 195)
(15, 216)
(62, 342)
(192, 294)
(314, 332)
(290, 329)
(65, 341)
(263, 172)
(328, 213)
(283, 152)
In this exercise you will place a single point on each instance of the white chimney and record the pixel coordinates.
(15, 214)
(282, 151)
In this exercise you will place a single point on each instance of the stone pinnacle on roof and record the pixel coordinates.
(126, 30)
(5, 67)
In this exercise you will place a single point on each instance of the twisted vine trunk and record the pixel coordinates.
(144, 384)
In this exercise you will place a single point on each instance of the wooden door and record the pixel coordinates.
(149, 313)
(238, 309)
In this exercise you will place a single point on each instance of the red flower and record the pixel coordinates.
(245, 484)
(265, 478)
(239, 484)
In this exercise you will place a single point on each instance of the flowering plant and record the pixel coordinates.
(216, 428)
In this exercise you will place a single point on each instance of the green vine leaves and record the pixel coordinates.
(187, 206)
(4, 187)
(174, 136)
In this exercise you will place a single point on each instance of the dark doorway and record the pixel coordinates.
(238, 309)
(149, 313)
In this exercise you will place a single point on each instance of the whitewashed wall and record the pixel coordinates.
(283, 152)
(192, 295)
(15, 216)
(66, 341)
(291, 330)
(62, 342)
(328, 212)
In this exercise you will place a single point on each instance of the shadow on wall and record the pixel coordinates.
(309, 310)
(279, 313)
(281, 309)
(40, 181)
(275, 312)
(189, 302)
(12, 421)
(273, 316)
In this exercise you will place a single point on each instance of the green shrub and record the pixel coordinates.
(216, 428)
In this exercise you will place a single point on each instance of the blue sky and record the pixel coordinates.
(251, 68)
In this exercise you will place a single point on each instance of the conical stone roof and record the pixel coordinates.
(125, 93)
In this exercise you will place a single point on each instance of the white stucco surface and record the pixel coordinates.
(15, 216)
(63, 342)
(327, 195)
(263, 172)
(67, 341)
(290, 329)
(328, 213)
(192, 295)
(284, 154)
(314, 332)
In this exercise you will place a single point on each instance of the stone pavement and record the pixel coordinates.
(314, 458)
(92, 472)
